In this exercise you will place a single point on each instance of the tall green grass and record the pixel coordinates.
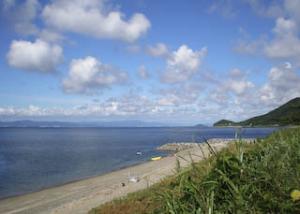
(244, 178)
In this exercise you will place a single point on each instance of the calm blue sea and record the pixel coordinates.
(35, 158)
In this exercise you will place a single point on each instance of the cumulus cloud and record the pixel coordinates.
(88, 74)
(182, 64)
(130, 104)
(37, 56)
(240, 94)
(286, 44)
(31, 110)
(158, 50)
(239, 97)
(22, 15)
(234, 92)
(37, 111)
(232, 97)
(126, 106)
(282, 85)
(239, 87)
(236, 83)
(92, 18)
(184, 94)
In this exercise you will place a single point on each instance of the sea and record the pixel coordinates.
(32, 159)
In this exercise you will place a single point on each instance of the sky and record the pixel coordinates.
(177, 62)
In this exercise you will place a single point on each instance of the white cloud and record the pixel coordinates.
(34, 56)
(236, 83)
(126, 105)
(182, 95)
(239, 87)
(143, 72)
(32, 111)
(22, 15)
(88, 74)
(286, 44)
(238, 97)
(234, 95)
(288, 65)
(285, 26)
(182, 64)
(282, 85)
(293, 7)
(158, 50)
(91, 17)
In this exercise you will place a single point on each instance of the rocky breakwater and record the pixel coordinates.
(180, 146)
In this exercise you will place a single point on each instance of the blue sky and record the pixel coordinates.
(183, 62)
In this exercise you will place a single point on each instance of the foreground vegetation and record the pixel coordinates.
(287, 114)
(263, 177)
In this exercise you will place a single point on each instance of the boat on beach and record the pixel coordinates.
(156, 158)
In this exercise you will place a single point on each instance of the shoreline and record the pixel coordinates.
(82, 195)
(76, 180)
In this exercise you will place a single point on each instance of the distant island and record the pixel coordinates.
(200, 126)
(286, 114)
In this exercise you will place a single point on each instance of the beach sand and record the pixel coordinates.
(81, 196)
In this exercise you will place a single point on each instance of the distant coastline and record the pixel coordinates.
(63, 124)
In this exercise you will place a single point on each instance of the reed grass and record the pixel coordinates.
(261, 177)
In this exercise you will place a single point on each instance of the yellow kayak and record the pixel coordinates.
(156, 158)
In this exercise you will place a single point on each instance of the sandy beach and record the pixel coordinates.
(81, 196)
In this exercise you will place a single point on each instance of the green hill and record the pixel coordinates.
(287, 114)
(225, 123)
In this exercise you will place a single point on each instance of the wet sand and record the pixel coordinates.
(81, 196)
